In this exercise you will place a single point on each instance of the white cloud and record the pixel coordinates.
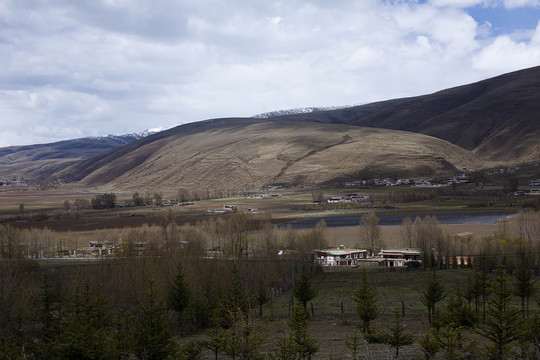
(275, 20)
(512, 4)
(507, 54)
(115, 66)
(457, 3)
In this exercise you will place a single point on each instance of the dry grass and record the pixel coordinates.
(261, 152)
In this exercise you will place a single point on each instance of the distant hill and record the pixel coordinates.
(498, 118)
(234, 153)
(41, 160)
(491, 122)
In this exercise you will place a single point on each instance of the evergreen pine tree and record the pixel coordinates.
(233, 303)
(450, 323)
(236, 331)
(305, 346)
(190, 351)
(524, 284)
(455, 313)
(202, 308)
(285, 350)
(152, 334)
(245, 336)
(366, 304)
(397, 336)
(501, 324)
(451, 341)
(304, 290)
(262, 297)
(429, 346)
(533, 333)
(469, 292)
(49, 311)
(179, 295)
(432, 294)
(216, 341)
(353, 344)
(88, 329)
(10, 348)
(482, 284)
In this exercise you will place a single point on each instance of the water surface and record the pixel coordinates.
(477, 218)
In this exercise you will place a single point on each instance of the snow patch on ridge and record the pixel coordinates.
(305, 110)
(127, 138)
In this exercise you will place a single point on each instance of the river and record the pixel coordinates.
(477, 218)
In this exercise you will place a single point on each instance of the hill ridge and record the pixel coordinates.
(490, 122)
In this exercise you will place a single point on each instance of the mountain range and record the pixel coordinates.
(493, 122)
(40, 161)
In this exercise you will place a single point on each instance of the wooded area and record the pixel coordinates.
(221, 286)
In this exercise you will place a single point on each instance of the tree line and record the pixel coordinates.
(165, 271)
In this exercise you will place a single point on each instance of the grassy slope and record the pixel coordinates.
(235, 155)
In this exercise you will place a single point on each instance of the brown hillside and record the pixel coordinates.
(497, 119)
(233, 153)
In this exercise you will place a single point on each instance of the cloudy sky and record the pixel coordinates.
(81, 68)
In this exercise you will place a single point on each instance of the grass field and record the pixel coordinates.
(393, 288)
(332, 328)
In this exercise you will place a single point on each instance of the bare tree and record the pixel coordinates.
(233, 234)
(268, 233)
(138, 200)
(81, 204)
(527, 227)
(430, 239)
(317, 196)
(312, 239)
(407, 232)
(288, 238)
(370, 232)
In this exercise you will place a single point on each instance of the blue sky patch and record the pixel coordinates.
(506, 21)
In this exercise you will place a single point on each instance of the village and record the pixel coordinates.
(339, 257)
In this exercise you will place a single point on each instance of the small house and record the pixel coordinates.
(339, 256)
(400, 257)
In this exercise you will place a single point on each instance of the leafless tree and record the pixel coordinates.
(370, 232)
(407, 232)
(310, 240)
(431, 239)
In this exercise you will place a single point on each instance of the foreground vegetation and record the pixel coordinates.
(238, 286)
(221, 290)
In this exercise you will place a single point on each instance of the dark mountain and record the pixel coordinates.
(498, 118)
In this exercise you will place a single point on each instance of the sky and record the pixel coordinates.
(72, 69)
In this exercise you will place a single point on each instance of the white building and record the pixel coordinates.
(400, 257)
(339, 256)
